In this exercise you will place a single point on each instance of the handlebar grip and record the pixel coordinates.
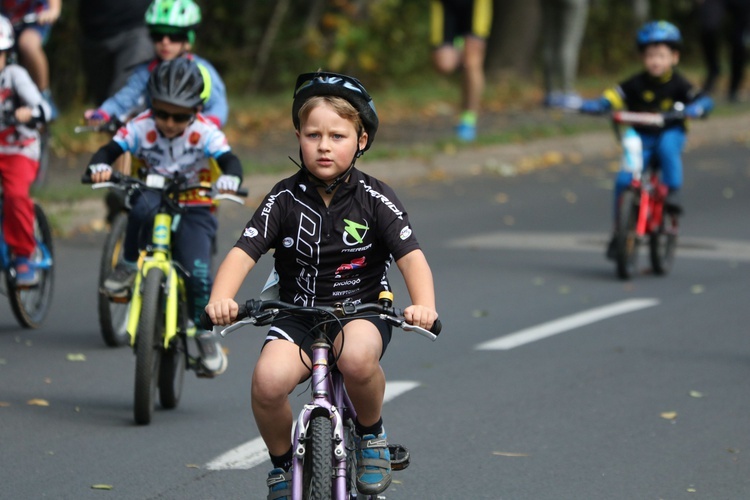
(207, 324)
(437, 326)
(243, 192)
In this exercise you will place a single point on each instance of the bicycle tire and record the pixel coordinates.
(663, 244)
(318, 470)
(171, 376)
(627, 237)
(113, 316)
(31, 305)
(147, 348)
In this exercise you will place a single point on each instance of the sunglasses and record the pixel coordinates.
(307, 79)
(173, 37)
(176, 117)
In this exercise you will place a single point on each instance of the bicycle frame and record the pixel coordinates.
(159, 257)
(652, 194)
(329, 397)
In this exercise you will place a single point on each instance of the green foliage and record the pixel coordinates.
(383, 42)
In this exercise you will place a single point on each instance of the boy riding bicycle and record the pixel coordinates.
(655, 90)
(172, 25)
(171, 138)
(335, 230)
(20, 100)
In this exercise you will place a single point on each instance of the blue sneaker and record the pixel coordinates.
(373, 463)
(27, 274)
(466, 132)
(279, 484)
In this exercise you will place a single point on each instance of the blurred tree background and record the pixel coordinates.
(259, 46)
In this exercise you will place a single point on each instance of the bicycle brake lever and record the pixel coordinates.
(417, 329)
(236, 326)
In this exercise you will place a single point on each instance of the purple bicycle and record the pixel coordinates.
(324, 465)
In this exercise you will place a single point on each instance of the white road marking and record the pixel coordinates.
(687, 247)
(550, 328)
(254, 452)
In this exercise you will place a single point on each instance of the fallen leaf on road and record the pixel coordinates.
(101, 486)
(76, 357)
(509, 454)
(192, 466)
(669, 415)
(697, 289)
(4, 404)
(479, 313)
(696, 394)
(37, 402)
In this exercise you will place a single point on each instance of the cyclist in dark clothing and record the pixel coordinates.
(335, 231)
(114, 40)
(657, 89)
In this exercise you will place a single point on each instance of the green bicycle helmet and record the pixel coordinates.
(174, 16)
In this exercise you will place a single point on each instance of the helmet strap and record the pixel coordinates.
(320, 182)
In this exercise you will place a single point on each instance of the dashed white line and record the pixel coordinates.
(550, 328)
(254, 452)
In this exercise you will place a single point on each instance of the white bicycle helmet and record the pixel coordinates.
(7, 38)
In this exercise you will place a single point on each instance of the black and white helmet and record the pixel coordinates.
(333, 84)
(178, 82)
(7, 37)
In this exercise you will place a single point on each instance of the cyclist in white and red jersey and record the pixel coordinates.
(173, 137)
(21, 101)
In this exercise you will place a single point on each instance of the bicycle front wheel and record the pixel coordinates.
(147, 345)
(113, 316)
(627, 235)
(30, 305)
(318, 469)
(662, 245)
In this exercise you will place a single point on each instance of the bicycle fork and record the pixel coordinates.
(160, 259)
(327, 389)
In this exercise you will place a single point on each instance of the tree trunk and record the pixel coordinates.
(513, 41)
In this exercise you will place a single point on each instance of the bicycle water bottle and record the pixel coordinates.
(632, 152)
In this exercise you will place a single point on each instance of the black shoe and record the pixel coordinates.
(672, 204)
(120, 281)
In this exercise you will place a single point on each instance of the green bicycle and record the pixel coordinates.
(158, 322)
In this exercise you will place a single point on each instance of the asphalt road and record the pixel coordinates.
(633, 389)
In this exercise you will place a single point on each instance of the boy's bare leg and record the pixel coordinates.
(277, 372)
(363, 376)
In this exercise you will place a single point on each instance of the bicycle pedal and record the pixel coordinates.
(117, 297)
(399, 456)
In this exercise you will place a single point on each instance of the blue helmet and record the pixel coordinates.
(659, 32)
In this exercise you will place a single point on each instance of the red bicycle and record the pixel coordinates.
(641, 213)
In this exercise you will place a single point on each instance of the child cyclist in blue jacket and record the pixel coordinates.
(174, 137)
(334, 230)
(656, 89)
(172, 25)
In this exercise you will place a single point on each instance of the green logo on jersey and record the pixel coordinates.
(353, 229)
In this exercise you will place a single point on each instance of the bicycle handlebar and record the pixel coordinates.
(647, 119)
(110, 127)
(262, 312)
(121, 181)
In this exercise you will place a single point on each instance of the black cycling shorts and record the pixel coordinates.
(296, 329)
(451, 19)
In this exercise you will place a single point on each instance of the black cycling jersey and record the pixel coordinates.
(327, 254)
(643, 92)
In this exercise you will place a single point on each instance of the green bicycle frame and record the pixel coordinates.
(160, 257)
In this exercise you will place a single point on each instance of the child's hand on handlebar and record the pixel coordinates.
(95, 117)
(100, 172)
(421, 316)
(23, 114)
(222, 311)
